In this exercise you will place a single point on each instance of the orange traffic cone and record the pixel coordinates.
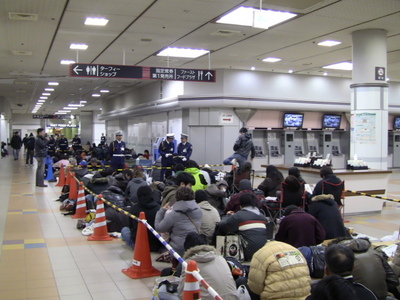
(141, 266)
(61, 177)
(191, 289)
(100, 224)
(73, 187)
(80, 212)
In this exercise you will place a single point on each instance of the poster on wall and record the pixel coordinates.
(364, 128)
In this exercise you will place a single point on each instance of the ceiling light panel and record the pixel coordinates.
(183, 52)
(346, 66)
(53, 83)
(329, 43)
(67, 62)
(271, 59)
(96, 21)
(78, 46)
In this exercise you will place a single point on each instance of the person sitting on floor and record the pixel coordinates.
(272, 183)
(210, 217)
(244, 188)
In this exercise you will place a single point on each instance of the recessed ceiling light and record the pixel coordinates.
(96, 95)
(104, 91)
(42, 101)
(96, 21)
(271, 59)
(78, 46)
(290, 71)
(182, 52)
(252, 68)
(83, 101)
(53, 83)
(68, 107)
(49, 90)
(43, 97)
(387, 78)
(346, 66)
(260, 18)
(329, 43)
(60, 113)
(325, 73)
(67, 62)
(46, 94)
(74, 105)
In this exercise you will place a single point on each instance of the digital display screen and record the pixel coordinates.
(331, 121)
(396, 123)
(293, 120)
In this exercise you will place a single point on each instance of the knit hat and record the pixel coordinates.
(200, 195)
(245, 184)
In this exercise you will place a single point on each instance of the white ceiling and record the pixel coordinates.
(138, 29)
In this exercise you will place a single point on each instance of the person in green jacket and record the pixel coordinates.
(193, 168)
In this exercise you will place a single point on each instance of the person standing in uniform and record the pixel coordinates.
(51, 146)
(166, 150)
(103, 139)
(63, 143)
(117, 149)
(184, 150)
(16, 144)
(40, 155)
(242, 147)
(76, 143)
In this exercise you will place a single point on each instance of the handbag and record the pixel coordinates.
(230, 245)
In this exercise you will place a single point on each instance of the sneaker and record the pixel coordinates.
(233, 161)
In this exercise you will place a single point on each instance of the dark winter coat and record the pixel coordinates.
(133, 186)
(115, 195)
(16, 142)
(331, 178)
(41, 146)
(98, 184)
(244, 145)
(234, 205)
(326, 211)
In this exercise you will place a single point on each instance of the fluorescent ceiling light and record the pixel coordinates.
(53, 83)
(325, 74)
(329, 43)
(63, 111)
(104, 91)
(83, 101)
(96, 95)
(60, 113)
(346, 66)
(271, 59)
(260, 18)
(78, 46)
(44, 97)
(49, 90)
(183, 52)
(290, 71)
(46, 94)
(41, 101)
(68, 107)
(96, 21)
(76, 105)
(67, 62)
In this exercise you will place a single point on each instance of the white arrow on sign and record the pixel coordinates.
(208, 74)
(76, 70)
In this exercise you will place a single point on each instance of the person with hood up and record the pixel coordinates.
(242, 147)
(183, 217)
(200, 181)
(210, 217)
(217, 195)
(214, 268)
(325, 209)
(134, 184)
(147, 204)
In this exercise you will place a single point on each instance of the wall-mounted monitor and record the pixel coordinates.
(293, 121)
(396, 123)
(331, 121)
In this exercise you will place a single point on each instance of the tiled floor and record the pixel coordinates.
(44, 256)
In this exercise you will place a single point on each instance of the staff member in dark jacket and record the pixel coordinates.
(40, 155)
(184, 150)
(117, 149)
(63, 143)
(166, 150)
(30, 149)
(16, 144)
(249, 223)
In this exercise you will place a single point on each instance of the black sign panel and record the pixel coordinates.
(108, 71)
(51, 116)
(182, 74)
(380, 73)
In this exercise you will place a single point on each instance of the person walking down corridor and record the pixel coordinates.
(16, 144)
(40, 155)
(30, 149)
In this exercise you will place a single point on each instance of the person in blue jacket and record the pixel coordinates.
(117, 149)
(166, 151)
(184, 150)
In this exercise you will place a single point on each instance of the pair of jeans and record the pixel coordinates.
(16, 153)
(29, 156)
(40, 170)
(240, 159)
(126, 236)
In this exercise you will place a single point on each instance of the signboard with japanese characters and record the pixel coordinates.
(109, 71)
(182, 74)
(51, 116)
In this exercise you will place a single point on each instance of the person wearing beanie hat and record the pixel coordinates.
(243, 147)
(166, 151)
(184, 150)
(233, 204)
(117, 152)
(210, 217)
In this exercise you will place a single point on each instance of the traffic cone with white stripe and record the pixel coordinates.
(141, 263)
(81, 208)
(61, 177)
(191, 288)
(100, 224)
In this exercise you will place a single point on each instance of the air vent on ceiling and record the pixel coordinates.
(225, 32)
(21, 52)
(22, 16)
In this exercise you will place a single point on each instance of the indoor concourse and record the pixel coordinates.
(44, 256)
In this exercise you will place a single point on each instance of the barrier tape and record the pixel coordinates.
(373, 196)
(164, 242)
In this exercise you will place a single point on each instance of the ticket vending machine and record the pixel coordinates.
(331, 144)
(294, 146)
(396, 148)
(275, 156)
(313, 145)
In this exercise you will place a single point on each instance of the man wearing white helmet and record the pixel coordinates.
(166, 151)
(117, 149)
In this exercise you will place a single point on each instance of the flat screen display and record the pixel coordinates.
(293, 120)
(396, 123)
(331, 121)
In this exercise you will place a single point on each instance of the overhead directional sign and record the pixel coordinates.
(137, 72)
(109, 71)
